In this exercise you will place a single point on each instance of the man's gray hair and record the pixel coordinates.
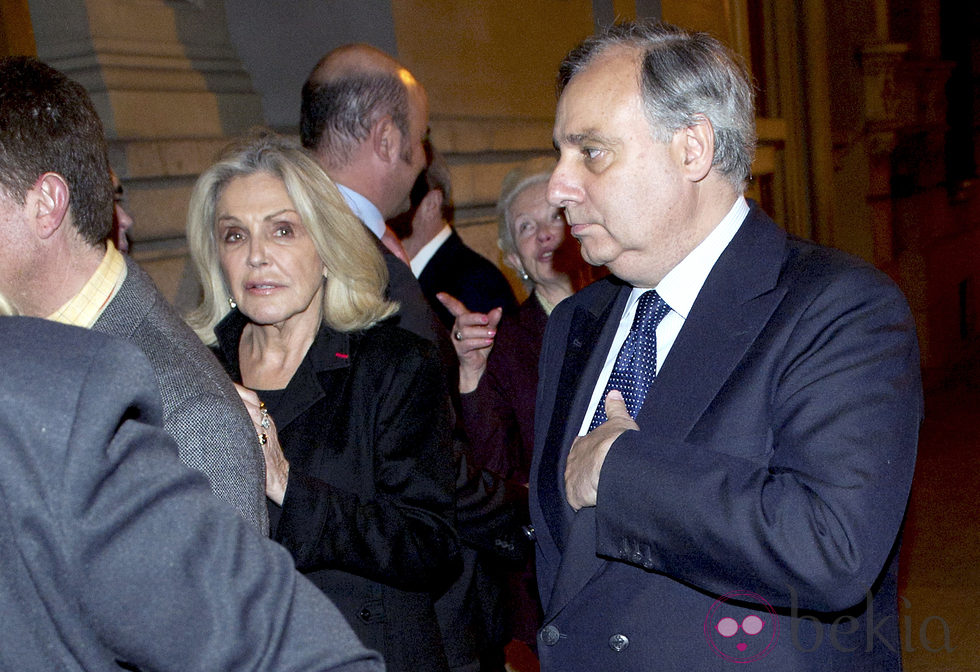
(684, 76)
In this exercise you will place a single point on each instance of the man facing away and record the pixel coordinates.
(726, 427)
(56, 208)
(365, 117)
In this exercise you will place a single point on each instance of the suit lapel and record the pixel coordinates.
(577, 365)
(320, 378)
(590, 332)
(734, 305)
(329, 352)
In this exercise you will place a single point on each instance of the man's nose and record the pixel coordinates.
(563, 189)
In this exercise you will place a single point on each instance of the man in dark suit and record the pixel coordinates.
(56, 203)
(439, 258)
(743, 501)
(114, 554)
(365, 117)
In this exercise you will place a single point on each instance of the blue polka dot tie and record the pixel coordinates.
(636, 363)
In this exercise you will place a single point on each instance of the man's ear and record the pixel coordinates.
(50, 203)
(698, 148)
(385, 139)
(431, 205)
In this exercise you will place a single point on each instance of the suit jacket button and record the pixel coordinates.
(549, 635)
(365, 615)
(618, 642)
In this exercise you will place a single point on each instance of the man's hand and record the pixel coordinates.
(589, 452)
(472, 336)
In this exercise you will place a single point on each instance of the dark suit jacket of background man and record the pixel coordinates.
(112, 550)
(202, 410)
(467, 275)
(414, 312)
(774, 459)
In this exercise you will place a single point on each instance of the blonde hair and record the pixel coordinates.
(356, 276)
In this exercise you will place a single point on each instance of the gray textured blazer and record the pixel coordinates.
(202, 410)
(113, 552)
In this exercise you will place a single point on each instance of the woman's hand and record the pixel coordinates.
(472, 336)
(276, 466)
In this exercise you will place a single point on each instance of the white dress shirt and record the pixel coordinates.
(679, 289)
(364, 209)
(428, 250)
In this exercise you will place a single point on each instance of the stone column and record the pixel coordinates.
(169, 89)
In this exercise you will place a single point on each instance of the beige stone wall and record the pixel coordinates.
(494, 59)
(850, 101)
(168, 83)
(491, 90)
(491, 86)
(170, 91)
(725, 19)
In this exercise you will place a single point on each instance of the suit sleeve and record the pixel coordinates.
(498, 415)
(811, 499)
(214, 435)
(166, 574)
(491, 511)
(491, 426)
(403, 534)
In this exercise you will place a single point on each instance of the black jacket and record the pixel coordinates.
(467, 275)
(366, 425)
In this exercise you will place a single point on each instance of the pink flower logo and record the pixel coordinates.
(740, 634)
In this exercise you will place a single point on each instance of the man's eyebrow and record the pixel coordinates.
(579, 139)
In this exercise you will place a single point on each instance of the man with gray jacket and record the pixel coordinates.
(57, 262)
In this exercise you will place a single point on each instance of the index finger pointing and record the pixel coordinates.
(452, 304)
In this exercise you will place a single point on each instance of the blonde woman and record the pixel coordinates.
(353, 412)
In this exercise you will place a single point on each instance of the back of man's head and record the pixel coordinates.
(434, 177)
(346, 93)
(437, 178)
(49, 125)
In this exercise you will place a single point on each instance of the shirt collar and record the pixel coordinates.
(365, 210)
(680, 287)
(85, 308)
(429, 249)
